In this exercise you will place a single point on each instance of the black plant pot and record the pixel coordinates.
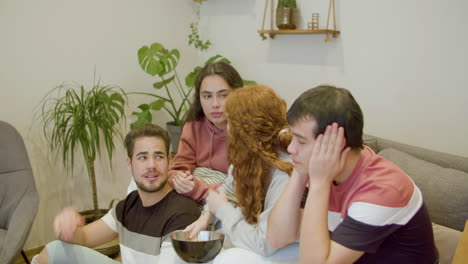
(174, 133)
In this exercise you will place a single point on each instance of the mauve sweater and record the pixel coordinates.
(201, 145)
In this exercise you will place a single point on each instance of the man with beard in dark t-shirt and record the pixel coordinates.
(140, 221)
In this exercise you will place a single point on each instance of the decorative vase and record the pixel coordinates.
(287, 18)
(174, 133)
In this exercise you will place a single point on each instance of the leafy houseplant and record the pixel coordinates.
(73, 116)
(194, 36)
(287, 14)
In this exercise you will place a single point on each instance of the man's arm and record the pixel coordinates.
(285, 218)
(326, 162)
(68, 227)
(98, 233)
(316, 245)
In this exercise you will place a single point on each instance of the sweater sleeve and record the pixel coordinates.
(251, 236)
(185, 159)
(199, 191)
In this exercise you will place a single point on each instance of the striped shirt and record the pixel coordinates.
(379, 210)
(142, 229)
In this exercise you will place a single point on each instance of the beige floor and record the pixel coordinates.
(35, 251)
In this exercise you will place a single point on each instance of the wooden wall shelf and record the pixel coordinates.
(272, 33)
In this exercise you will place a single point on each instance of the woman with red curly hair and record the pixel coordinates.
(259, 172)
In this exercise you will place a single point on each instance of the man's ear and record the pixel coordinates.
(129, 164)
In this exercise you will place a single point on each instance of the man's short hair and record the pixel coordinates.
(327, 104)
(148, 130)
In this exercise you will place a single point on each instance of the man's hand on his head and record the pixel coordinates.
(328, 156)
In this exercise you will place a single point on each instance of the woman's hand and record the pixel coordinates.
(183, 182)
(216, 198)
(202, 223)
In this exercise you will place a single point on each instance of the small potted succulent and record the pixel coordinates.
(287, 14)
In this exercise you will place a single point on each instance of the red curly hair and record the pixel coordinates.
(256, 115)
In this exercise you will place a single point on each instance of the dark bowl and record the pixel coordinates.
(202, 248)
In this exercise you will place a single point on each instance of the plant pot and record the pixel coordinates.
(174, 132)
(287, 18)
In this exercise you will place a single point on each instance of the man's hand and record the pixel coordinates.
(216, 198)
(201, 224)
(328, 157)
(66, 223)
(183, 182)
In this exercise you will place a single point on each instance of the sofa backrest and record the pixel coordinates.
(442, 178)
(440, 158)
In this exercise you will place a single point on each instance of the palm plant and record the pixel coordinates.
(75, 117)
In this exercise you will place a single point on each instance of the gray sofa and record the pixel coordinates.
(18, 196)
(443, 180)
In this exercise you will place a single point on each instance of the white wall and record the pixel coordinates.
(44, 43)
(406, 62)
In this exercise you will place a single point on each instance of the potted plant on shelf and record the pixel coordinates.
(74, 117)
(161, 62)
(287, 14)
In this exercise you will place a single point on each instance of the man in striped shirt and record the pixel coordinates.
(140, 221)
(360, 207)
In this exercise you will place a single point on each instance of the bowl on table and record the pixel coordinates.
(203, 248)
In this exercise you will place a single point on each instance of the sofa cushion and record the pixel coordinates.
(446, 240)
(445, 190)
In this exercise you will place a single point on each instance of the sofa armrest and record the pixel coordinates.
(461, 254)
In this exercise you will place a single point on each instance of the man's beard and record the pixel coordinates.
(151, 189)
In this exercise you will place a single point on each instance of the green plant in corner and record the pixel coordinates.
(73, 116)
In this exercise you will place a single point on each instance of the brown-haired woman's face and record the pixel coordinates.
(213, 94)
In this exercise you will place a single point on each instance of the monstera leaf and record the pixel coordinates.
(156, 60)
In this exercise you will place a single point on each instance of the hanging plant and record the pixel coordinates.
(194, 36)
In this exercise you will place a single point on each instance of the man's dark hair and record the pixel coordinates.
(328, 104)
(148, 130)
(223, 70)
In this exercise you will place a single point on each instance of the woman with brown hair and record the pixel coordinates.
(201, 160)
(259, 171)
